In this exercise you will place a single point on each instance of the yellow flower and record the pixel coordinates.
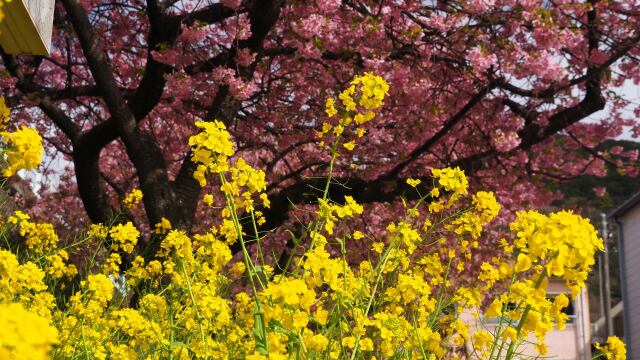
(5, 111)
(326, 127)
(214, 137)
(133, 198)
(125, 237)
(238, 269)
(349, 145)
(101, 287)
(614, 349)
(563, 242)
(162, 227)
(58, 268)
(208, 199)
(366, 344)
(541, 347)
(510, 334)
(481, 339)
(265, 200)
(436, 206)
(487, 205)
(211, 149)
(300, 320)
(523, 263)
(413, 182)
(321, 316)
(364, 118)
(349, 342)
(347, 98)
(40, 238)
(452, 179)
(112, 265)
(25, 150)
(98, 231)
(373, 88)
(494, 309)
(25, 334)
(315, 341)
(330, 107)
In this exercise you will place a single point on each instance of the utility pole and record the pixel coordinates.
(606, 284)
(599, 331)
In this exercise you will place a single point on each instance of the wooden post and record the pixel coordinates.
(26, 27)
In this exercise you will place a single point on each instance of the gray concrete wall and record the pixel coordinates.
(631, 281)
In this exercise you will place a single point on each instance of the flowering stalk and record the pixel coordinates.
(333, 303)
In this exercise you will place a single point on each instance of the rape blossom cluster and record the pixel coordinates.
(24, 150)
(193, 298)
(23, 147)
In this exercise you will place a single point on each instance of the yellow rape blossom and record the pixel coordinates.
(452, 179)
(162, 227)
(40, 238)
(125, 237)
(373, 88)
(25, 334)
(614, 349)
(404, 298)
(25, 150)
(112, 265)
(5, 111)
(349, 145)
(413, 182)
(133, 198)
(330, 107)
(58, 265)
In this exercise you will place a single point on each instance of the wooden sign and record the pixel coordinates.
(26, 27)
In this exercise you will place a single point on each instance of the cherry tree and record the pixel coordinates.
(503, 89)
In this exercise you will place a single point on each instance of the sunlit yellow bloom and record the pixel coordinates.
(125, 237)
(413, 182)
(162, 227)
(349, 145)
(25, 150)
(133, 198)
(614, 349)
(330, 107)
(25, 335)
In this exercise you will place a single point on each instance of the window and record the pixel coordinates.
(569, 310)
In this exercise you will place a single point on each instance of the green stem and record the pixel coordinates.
(247, 260)
(499, 330)
(373, 294)
(325, 193)
(523, 318)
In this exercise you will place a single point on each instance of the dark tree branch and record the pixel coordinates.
(262, 16)
(141, 148)
(210, 14)
(59, 118)
(445, 129)
(590, 150)
(529, 115)
(380, 190)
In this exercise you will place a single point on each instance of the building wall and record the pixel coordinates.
(571, 343)
(631, 279)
